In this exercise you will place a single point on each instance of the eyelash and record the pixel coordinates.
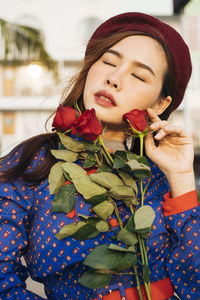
(137, 77)
(107, 63)
(112, 65)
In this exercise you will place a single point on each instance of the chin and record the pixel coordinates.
(108, 121)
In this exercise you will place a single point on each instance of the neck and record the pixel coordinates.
(113, 134)
(114, 138)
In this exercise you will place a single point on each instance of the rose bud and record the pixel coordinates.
(137, 118)
(87, 125)
(64, 118)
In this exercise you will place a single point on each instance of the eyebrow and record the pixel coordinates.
(135, 62)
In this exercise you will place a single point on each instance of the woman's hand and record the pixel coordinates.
(174, 155)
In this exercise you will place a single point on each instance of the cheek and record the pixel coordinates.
(142, 98)
(86, 90)
(93, 83)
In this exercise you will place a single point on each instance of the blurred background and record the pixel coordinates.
(42, 43)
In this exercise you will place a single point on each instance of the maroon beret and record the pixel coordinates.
(174, 43)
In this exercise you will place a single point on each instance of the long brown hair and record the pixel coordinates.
(73, 93)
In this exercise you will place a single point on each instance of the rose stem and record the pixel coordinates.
(138, 284)
(143, 249)
(116, 212)
(97, 159)
(105, 149)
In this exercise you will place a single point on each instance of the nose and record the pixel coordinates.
(115, 85)
(113, 82)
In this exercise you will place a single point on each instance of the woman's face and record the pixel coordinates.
(128, 76)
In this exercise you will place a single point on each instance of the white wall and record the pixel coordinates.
(30, 117)
(61, 20)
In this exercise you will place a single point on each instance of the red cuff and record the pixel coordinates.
(172, 206)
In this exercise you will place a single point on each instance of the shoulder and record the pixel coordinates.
(158, 184)
(13, 158)
(31, 159)
(39, 157)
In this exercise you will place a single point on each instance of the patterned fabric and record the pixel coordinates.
(27, 227)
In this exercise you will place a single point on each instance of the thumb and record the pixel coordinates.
(150, 146)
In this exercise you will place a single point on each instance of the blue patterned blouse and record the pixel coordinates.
(28, 228)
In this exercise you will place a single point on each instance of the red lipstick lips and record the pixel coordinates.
(105, 99)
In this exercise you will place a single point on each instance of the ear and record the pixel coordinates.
(161, 105)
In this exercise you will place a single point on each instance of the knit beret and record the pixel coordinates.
(134, 21)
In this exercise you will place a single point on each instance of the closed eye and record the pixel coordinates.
(108, 63)
(134, 75)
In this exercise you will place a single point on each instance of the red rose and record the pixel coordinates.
(64, 118)
(137, 118)
(87, 125)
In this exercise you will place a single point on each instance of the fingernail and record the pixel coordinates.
(158, 135)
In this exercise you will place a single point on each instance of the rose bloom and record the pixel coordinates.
(137, 118)
(87, 125)
(64, 118)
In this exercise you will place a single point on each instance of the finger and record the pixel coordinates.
(158, 125)
(149, 144)
(153, 116)
(171, 130)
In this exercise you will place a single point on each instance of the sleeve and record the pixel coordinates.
(15, 214)
(182, 218)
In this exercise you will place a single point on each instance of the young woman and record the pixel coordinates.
(132, 61)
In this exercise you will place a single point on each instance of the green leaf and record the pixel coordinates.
(118, 163)
(128, 180)
(144, 233)
(61, 146)
(74, 170)
(89, 163)
(87, 188)
(22, 42)
(104, 169)
(93, 280)
(91, 146)
(121, 249)
(144, 217)
(83, 217)
(106, 179)
(104, 272)
(83, 155)
(103, 258)
(127, 237)
(135, 165)
(119, 159)
(130, 225)
(66, 155)
(146, 273)
(140, 170)
(130, 156)
(97, 199)
(69, 230)
(91, 156)
(86, 232)
(56, 178)
(129, 260)
(141, 174)
(70, 143)
(90, 160)
(102, 226)
(144, 161)
(103, 209)
(66, 175)
(121, 154)
(93, 220)
(65, 199)
(123, 192)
